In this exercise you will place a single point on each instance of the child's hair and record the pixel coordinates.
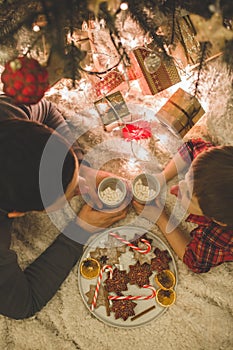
(21, 147)
(213, 183)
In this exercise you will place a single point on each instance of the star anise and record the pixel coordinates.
(103, 260)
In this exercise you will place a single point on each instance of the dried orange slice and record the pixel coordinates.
(165, 297)
(165, 279)
(90, 268)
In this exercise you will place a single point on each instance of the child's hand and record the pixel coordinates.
(93, 177)
(149, 212)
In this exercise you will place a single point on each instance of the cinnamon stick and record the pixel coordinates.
(143, 313)
(106, 303)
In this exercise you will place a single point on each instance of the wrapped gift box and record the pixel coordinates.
(188, 40)
(185, 49)
(111, 80)
(112, 110)
(134, 71)
(157, 74)
(180, 112)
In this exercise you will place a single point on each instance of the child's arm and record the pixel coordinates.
(175, 165)
(177, 238)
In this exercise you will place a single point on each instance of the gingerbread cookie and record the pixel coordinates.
(139, 274)
(143, 258)
(161, 260)
(118, 282)
(106, 255)
(123, 308)
(112, 242)
(101, 300)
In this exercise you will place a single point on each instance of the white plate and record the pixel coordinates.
(126, 259)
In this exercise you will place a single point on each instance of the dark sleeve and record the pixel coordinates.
(23, 293)
(46, 112)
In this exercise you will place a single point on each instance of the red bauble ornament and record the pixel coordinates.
(25, 80)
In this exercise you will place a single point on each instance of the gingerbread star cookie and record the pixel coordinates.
(161, 260)
(139, 274)
(106, 255)
(112, 242)
(123, 308)
(143, 258)
(118, 282)
(101, 295)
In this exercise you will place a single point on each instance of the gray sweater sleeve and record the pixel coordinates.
(47, 113)
(43, 112)
(23, 293)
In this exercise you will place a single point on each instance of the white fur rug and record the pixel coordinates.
(201, 318)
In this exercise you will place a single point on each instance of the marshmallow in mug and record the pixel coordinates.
(143, 192)
(110, 196)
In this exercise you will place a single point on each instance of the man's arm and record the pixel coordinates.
(46, 112)
(23, 293)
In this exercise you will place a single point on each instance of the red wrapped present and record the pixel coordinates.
(180, 112)
(134, 71)
(137, 131)
(157, 74)
(108, 83)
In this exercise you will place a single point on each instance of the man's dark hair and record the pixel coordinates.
(213, 183)
(21, 147)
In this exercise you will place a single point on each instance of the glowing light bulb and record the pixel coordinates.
(121, 68)
(133, 43)
(124, 6)
(83, 85)
(132, 162)
(84, 26)
(36, 28)
(102, 23)
(88, 67)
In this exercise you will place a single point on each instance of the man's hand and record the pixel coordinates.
(92, 178)
(92, 220)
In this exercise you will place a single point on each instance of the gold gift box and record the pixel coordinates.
(180, 112)
(188, 40)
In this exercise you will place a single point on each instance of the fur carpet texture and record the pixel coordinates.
(201, 318)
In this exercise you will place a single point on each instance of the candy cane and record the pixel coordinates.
(142, 251)
(136, 297)
(93, 304)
